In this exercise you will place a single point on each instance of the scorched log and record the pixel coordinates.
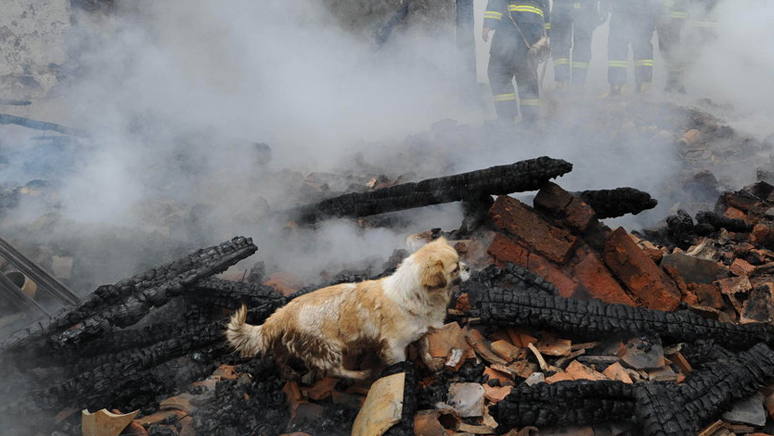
(612, 203)
(528, 175)
(129, 300)
(594, 318)
(660, 408)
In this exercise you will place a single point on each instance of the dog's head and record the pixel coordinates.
(440, 265)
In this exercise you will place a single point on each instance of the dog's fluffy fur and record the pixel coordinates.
(385, 315)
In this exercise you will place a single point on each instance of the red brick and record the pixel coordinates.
(762, 235)
(598, 282)
(544, 268)
(734, 213)
(506, 249)
(514, 217)
(644, 280)
(552, 198)
(741, 267)
(705, 295)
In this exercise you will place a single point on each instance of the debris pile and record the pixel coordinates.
(566, 326)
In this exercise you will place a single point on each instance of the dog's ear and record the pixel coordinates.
(433, 276)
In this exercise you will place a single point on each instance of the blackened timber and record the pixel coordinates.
(231, 295)
(129, 300)
(665, 409)
(594, 318)
(612, 203)
(660, 408)
(527, 175)
(565, 403)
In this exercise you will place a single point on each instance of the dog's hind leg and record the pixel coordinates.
(351, 374)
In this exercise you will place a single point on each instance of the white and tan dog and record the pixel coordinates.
(384, 315)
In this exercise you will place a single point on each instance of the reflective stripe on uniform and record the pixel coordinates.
(580, 64)
(493, 15)
(561, 61)
(548, 26)
(504, 97)
(677, 14)
(618, 64)
(530, 102)
(525, 8)
(577, 5)
(643, 63)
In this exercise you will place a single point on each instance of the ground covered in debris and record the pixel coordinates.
(570, 323)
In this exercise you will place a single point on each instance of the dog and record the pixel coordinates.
(384, 315)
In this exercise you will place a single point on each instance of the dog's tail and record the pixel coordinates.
(248, 339)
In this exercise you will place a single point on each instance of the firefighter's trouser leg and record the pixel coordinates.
(561, 41)
(581, 49)
(529, 92)
(669, 44)
(500, 79)
(642, 48)
(617, 49)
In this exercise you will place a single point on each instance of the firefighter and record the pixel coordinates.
(631, 22)
(684, 26)
(520, 39)
(670, 27)
(572, 25)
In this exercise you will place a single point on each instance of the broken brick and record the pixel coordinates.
(734, 213)
(643, 278)
(576, 214)
(617, 372)
(496, 393)
(741, 267)
(515, 217)
(442, 341)
(579, 371)
(705, 295)
(597, 281)
(736, 289)
(503, 377)
(559, 376)
(762, 235)
(426, 424)
(506, 249)
(507, 351)
(679, 360)
(481, 346)
(552, 346)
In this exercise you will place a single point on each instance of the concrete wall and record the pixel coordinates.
(32, 35)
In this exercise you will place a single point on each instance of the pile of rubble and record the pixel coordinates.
(567, 326)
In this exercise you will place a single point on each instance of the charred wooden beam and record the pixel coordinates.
(670, 410)
(582, 402)
(717, 222)
(129, 300)
(612, 203)
(231, 295)
(521, 176)
(594, 318)
(660, 408)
